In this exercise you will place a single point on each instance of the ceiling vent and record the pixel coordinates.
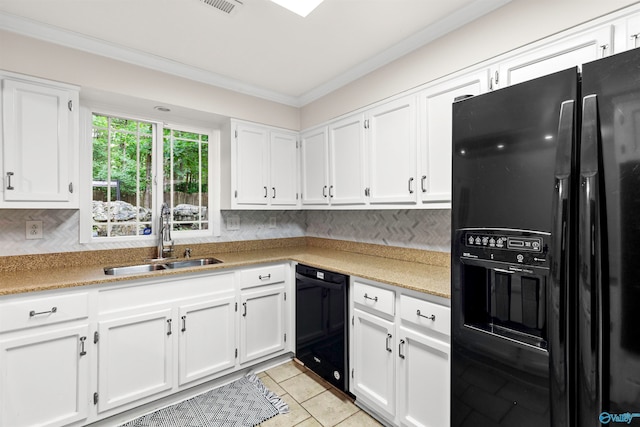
(228, 7)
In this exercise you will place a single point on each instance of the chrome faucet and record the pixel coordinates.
(164, 233)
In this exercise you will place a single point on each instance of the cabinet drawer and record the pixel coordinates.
(37, 311)
(426, 314)
(374, 298)
(262, 276)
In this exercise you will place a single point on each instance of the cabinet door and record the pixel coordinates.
(251, 165)
(374, 361)
(135, 357)
(570, 52)
(347, 161)
(207, 338)
(423, 394)
(38, 142)
(392, 138)
(283, 169)
(44, 378)
(435, 133)
(262, 322)
(314, 153)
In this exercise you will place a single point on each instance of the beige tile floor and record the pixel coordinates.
(312, 401)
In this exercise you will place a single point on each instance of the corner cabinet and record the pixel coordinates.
(264, 164)
(39, 143)
(400, 352)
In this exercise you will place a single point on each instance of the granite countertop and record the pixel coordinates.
(421, 271)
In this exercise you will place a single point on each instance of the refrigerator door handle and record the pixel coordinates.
(589, 264)
(558, 315)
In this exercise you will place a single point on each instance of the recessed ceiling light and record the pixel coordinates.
(161, 108)
(300, 7)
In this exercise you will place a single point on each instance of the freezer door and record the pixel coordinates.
(609, 289)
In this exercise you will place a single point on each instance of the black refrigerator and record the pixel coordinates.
(546, 250)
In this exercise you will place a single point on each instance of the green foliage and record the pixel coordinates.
(122, 151)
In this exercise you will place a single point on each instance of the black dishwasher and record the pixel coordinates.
(321, 323)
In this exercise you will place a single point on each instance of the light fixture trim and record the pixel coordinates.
(299, 7)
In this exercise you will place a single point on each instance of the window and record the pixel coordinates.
(137, 166)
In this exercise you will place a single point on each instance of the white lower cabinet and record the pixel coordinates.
(206, 350)
(135, 355)
(44, 377)
(71, 358)
(400, 354)
(374, 363)
(263, 312)
(423, 383)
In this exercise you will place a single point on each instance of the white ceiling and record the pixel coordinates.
(261, 49)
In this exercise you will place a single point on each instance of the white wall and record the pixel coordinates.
(514, 25)
(38, 58)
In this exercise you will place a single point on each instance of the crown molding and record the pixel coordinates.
(74, 40)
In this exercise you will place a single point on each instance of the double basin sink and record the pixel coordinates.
(146, 268)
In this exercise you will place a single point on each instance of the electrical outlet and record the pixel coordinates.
(233, 222)
(272, 222)
(34, 230)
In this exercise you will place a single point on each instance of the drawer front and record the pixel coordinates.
(45, 310)
(425, 314)
(374, 298)
(259, 276)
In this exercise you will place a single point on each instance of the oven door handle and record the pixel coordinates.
(304, 280)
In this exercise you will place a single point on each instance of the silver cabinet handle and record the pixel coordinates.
(34, 313)
(82, 350)
(265, 192)
(184, 324)
(331, 192)
(372, 299)
(244, 311)
(168, 327)
(411, 185)
(274, 192)
(324, 191)
(265, 277)
(400, 349)
(423, 181)
(389, 336)
(432, 317)
(9, 186)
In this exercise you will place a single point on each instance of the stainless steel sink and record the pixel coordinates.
(134, 269)
(192, 262)
(146, 268)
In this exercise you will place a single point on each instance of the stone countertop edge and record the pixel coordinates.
(418, 270)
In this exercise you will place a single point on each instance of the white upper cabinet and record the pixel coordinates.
(283, 171)
(632, 39)
(251, 145)
(552, 57)
(392, 141)
(347, 161)
(265, 167)
(435, 121)
(39, 143)
(315, 167)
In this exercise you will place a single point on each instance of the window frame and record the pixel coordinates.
(86, 177)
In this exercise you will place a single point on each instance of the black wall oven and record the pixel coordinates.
(321, 323)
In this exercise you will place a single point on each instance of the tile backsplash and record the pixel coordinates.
(418, 229)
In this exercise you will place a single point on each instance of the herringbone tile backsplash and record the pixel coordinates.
(418, 229)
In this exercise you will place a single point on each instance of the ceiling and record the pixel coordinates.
(260, 48)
